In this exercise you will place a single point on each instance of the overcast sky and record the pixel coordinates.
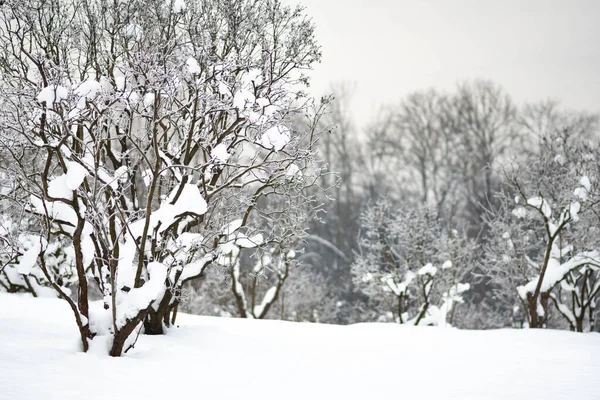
(535, 49)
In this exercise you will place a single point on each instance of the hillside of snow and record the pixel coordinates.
(213, 358)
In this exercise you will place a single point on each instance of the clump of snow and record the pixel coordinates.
(120, 83)
(147, 177)
(428, 269)
(276, 137)
(76, 173)
(29, 258)
(53, 94)
(244, 241)
(583, 191)
(262, 102)
(293, 172)
(574, 209)
(232, 227)
(391, 284)
(195, 268)
(519, 212)
(243, 99)
(88, 89)
(122, 173)
(449, 298)
(219, 153)
(61, 187)
(5, 227)
(87, 244)
(585, 182)
(149, 99)
(541, 205)
(140, 298)
(190, 200)
(566, 286)
(106, 178)
(252, 78)
(179, 6)
(193, 66)
(58, 187)
(224, 89)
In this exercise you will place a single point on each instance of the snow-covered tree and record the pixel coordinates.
(544, 247)
(412, 263)
(148, 138)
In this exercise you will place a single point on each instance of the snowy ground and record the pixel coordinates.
(212, 358)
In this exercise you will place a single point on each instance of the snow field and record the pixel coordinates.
(215, 358)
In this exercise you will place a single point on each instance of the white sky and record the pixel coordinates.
(535, 49)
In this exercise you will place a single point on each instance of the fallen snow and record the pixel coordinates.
(220, 358)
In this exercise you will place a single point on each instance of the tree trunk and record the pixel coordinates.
(579, 323)
(157, 319)
(535, 319)
(122, 334)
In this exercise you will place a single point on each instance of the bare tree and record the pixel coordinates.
(537, 120)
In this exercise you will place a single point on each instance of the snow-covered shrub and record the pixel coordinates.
(270, 263)
(19, 268)
(145, 136)
(412, 264)
(545, 243)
